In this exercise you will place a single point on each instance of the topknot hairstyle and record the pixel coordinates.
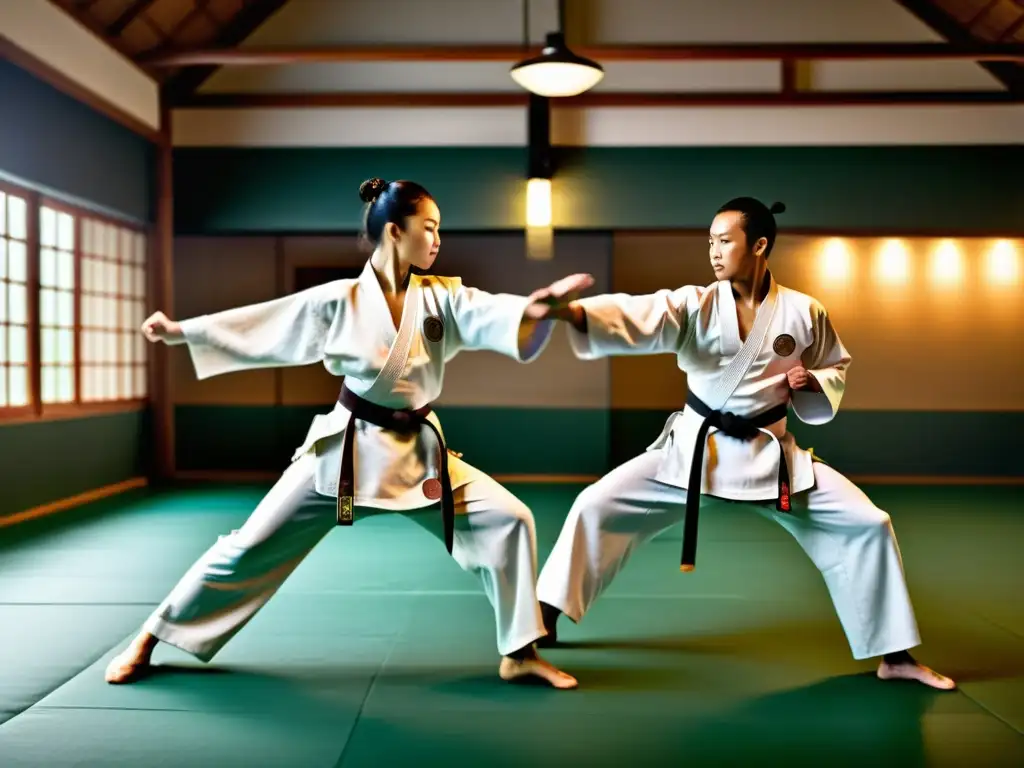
(758, 220)
(388, 202)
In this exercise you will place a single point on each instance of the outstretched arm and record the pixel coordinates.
(516, 326)
(621, 324)
(291, 330)
(819, 385)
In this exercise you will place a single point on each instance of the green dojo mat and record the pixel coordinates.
(379, 649)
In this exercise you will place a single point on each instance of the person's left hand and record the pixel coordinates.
(801, 379)
(552, 303)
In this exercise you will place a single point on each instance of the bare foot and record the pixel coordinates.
(911, 670)
(513, 669)
(129, 665)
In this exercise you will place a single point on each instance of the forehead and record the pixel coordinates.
(428, 209)
(727, 222)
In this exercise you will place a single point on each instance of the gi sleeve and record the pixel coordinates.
(621, 324)
(496, 322)
(827, 360)
(288, 331)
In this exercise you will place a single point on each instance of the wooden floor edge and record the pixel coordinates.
(73, 501)
(244, 477)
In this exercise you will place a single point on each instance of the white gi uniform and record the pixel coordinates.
(347, 326)
(848, 538)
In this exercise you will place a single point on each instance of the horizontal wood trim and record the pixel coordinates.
(598, 99)
(66, 85)
(72, 501)
(742, 52)
(64, 411)
(226, 476)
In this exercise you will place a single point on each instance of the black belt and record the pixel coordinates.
(739, 427)
(403, 421)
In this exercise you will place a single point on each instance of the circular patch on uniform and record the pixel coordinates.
(784, 345)
(432, 489)
(433, 328)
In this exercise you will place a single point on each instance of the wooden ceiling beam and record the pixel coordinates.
(754, 52)
(592, 99)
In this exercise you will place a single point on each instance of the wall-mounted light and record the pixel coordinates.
(893, 265)
(538, 202)
(947, 263)
(835, 261)
(540, 237)
(1003, 265)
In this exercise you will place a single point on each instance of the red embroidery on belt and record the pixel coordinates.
(784, 498)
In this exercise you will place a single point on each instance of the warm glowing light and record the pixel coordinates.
(835, 261)
(893, 263)
(1003, 263)
(538, 203)
(947, 263)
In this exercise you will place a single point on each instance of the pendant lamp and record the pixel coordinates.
(557, 72)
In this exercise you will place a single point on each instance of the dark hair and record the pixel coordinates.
(757, 219)
(388, 202)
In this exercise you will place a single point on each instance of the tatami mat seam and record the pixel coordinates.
(366, 697)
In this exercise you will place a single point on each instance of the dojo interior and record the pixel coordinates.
(192, 156)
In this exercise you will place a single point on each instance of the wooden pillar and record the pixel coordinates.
(161, 282)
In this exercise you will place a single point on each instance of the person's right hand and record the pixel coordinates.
(159, 327)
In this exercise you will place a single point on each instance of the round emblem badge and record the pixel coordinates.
(432, 488)
(433, 329)
(784, 345)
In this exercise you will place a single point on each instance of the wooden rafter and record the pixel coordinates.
(1010, 75)
(247, 21)
(128, 16)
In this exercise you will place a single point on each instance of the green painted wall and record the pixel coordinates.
(592, 441)
(496, 440)
(51, 460)
(58, 145)
(940, 189)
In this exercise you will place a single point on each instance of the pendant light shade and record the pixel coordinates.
(557, 72)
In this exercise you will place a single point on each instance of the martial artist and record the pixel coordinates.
(389, 333)
(751, 349)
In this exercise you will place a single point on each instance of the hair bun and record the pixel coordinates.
(778, 208)
(371, 189)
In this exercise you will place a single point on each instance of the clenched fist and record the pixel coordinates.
(801, 379)
(159, 327)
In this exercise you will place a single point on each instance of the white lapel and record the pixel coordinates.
(398, 354)
(728, 325)
(737, 368)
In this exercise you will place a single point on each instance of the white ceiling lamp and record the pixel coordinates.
(557, 72)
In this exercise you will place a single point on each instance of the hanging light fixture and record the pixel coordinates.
(557, 72)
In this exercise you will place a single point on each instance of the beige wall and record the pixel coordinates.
(945, 338)
(217, 273)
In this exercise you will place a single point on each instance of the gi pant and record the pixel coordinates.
(494, 538)
(848, 538)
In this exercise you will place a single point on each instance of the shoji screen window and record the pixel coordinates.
(15, 381)
(57, 251)
(113, 269)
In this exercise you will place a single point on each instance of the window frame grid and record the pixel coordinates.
(36, 410)
(18, 412)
